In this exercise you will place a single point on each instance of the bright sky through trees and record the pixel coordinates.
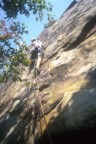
(35, 27)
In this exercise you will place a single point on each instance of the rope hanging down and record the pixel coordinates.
(42, 109)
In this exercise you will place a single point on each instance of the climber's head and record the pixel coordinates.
(33, 40)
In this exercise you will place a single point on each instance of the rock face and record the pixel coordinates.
(61, 101)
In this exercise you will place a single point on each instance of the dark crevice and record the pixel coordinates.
(43, 87)
(84, 32)
(53, 55)
(68, 137)
(57, 57)
(50, 57)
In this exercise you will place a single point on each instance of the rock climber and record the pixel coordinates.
(36, 53)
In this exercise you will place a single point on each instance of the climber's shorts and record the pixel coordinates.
(36, 53)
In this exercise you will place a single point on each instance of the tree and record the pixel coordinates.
(12, 53)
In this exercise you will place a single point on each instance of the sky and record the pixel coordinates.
(36, 27)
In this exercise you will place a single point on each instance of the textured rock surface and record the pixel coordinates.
(66, 84)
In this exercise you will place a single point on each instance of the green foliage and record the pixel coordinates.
(15, 7)
(12, 53)
(1, 78)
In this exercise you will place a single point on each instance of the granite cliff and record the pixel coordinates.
(61, 103)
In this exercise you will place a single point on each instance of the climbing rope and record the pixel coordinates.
(42, 109)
